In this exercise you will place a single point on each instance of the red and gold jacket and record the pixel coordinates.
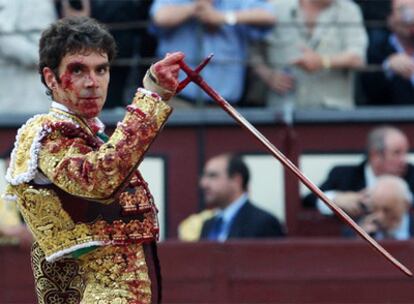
(77, 191)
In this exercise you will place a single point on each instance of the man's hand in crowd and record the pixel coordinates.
(370, 223)
(401, 64)
(353, 203)
(281, 82)
(208, 15)
(309, 61)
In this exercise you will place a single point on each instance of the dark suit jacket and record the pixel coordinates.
(249, 222)
(350, 178)
(380, 89)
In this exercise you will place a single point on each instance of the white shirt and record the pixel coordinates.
(21, 24)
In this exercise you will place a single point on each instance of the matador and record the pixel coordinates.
(91, 213)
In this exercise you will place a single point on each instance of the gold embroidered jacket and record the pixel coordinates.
(59, 166)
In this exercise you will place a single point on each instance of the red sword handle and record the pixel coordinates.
(192, 75)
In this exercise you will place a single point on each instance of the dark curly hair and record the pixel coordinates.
(73, 35)
(235, 166)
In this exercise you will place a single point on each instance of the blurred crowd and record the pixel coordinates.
(289, 55)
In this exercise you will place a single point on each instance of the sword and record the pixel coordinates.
(194, 76)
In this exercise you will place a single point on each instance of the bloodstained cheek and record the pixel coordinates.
(67, 81)
(67, 84)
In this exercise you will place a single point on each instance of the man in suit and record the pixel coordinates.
(388, 212)
(395, 53)
(224, 183)
(346, 186)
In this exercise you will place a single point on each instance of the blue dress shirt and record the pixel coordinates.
(226, 72)
(226, 216)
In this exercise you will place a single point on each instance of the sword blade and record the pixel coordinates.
(225, 105)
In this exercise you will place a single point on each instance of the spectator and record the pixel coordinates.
(388, 210)
(223, 28)
(190, 228)
(309, 57)
(394, 85)
(21, 22)
(346, 186)
(12, 229)
(224, 183)
(375, 15)
(134, 43)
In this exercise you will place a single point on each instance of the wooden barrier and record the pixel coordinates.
(285, 271)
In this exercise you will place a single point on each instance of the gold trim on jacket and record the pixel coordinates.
(61, 149)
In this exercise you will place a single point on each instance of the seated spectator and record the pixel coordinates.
(21, 22)
(388, 207)
(395, 53)
(12, 229)
(224, 183)
(189, 229)
(310, 55)
(347, 186)
(201, 27)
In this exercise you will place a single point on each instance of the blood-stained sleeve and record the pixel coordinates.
(74, 161)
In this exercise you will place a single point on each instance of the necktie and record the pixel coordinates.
(216, 228)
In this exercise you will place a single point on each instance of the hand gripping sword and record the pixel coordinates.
(194, 76)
